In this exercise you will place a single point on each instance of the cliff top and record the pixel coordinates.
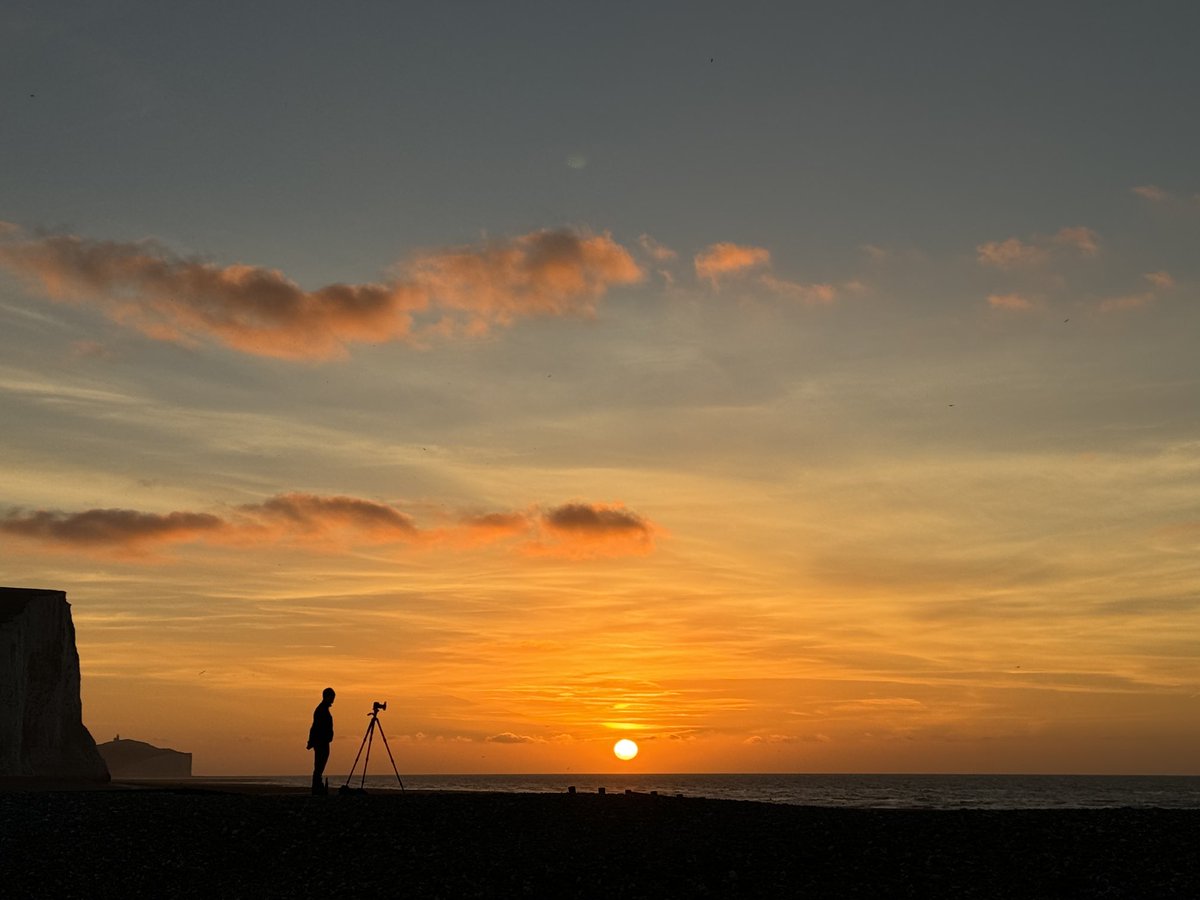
(14, 600)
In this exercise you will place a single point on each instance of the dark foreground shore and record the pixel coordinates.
(212, 843)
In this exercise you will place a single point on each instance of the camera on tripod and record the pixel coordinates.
(374, 725)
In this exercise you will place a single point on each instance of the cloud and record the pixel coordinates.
(574, 530)
(719, 260)
(812, 294)
(248, 308)
(1152, 193)
(724, 259)
(313, 516)
(1127, 302)
(489, 527)
(260, 311)
(772, 739)
(1086, 241)
(1160, 281)
(1013, 302)
(126, 529)
(549, 272)
(1014, 252)
(656, 250)
(588, 530)
(1010, 253)
(508, 737)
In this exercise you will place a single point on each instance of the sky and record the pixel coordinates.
(788, 388)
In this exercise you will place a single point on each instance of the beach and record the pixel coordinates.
(178, 841)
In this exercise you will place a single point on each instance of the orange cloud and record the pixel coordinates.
(249, 308)
(1015, 252)
(1161, 280)
(574, 530)
(542, 273)
(260, 311)
(722, 259)
(1014, 302)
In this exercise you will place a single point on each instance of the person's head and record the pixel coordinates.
(327, 696)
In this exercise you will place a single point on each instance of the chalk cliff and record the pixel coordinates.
(41, 717)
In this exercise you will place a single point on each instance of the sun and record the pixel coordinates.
(625, 749)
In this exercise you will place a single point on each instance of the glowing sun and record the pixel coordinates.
(625, 749)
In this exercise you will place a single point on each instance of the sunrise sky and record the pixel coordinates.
(787, 387)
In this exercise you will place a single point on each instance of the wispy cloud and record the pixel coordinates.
(509, 737)
(722, 259)
(1160, 281)
(1010, 302)
(1127, 302)
(1084, 240)
(1009, 253)
(655, 250)
(574, 530)
(1152, 192)
(818, 294)
(1017, 252)
(261, 311)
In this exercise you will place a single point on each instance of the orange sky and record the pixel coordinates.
(826, 406)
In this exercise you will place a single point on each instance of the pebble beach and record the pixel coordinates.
(175, 841)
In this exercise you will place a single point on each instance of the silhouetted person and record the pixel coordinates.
(320, 736)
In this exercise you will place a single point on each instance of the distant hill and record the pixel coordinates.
(137, 759)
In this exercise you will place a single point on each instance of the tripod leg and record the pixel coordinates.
(370, 738)
(357, 755)
(388, 748)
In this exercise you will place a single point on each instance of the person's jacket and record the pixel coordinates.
(322, 726)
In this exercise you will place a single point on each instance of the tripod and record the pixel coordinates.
(373, 715)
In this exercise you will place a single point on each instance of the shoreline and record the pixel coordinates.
(179, 840)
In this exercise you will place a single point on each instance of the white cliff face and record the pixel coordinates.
(41, 717)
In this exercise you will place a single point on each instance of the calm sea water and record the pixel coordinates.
(866, 791)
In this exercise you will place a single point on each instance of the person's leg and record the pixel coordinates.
(320, 758)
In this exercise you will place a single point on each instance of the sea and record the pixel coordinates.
(856, 791)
